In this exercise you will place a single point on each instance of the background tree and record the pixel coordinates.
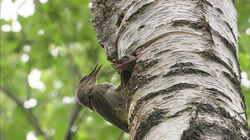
(42, 59)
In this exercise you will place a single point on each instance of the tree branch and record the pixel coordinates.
(74, 115)
(120, 137)
(28, 112)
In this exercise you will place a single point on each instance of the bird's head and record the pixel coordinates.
(85, 86)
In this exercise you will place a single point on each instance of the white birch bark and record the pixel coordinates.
(186, 82)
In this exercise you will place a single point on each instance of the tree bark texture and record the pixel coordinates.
(186, 81)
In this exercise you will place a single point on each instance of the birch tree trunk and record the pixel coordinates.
(186, 81)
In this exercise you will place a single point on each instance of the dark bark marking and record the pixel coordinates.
(203, 24)
(140, 27)
(154, 50)
(236, 83)
(235, 38)
(119, 19)
(231, 47)
(207, 27)
(142, 8)
(211, 31)
(142, 66)
(150, 96)
(230, 62)
(153, 77)
(219, 10)
(153, 119)
(228, 44)
(211, 55)
(187, 64)
(208, 108)
(199, 128)
(192, 24)
(207, 3)
(136, 82)
(168, 97)
(129, 19)
(220, 111)
(202, 130)
(125, 10)
(217, 92)
(179, 112)
(181, 71)
(112, 56)
(220, 100)
(161, 52)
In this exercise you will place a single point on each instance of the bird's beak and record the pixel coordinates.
(94, 73)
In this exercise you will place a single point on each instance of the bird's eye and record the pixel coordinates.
(81, 80)
(125, 57)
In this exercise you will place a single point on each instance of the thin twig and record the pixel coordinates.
(73, 118)
(120, 137)
(28, 112)
(28, 89)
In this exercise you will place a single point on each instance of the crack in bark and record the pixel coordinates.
(179, 113)
(161, 52)
(217, 92)
(153, 40)
(231, 47)
(139, 10)
(148, 43)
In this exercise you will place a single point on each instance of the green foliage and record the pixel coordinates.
(64, 48)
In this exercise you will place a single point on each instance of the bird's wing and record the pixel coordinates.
(102, 107)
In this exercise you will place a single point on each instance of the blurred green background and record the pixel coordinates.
(46, 46)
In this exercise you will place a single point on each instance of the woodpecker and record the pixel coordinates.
(105, 99)
(125, 66)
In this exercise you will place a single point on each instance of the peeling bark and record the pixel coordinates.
(186, 81)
